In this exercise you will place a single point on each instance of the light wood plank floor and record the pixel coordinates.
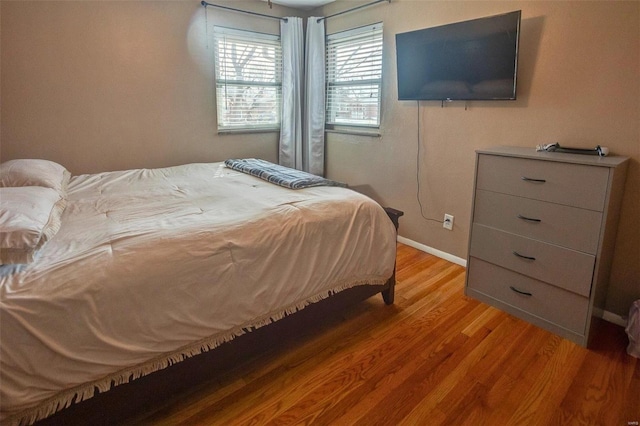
(435, 357)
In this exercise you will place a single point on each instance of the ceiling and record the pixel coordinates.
(301, 4)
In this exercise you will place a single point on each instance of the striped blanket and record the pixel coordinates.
(279, 175)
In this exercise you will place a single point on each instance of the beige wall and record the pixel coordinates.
(102, 85)
(578, 84)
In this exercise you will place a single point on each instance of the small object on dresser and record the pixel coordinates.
(602, 151)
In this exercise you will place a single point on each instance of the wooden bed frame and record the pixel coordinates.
(143, 394)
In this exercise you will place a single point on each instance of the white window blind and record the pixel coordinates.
(354, 77)
(248, 68)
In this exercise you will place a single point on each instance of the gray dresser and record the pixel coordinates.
(543, 229)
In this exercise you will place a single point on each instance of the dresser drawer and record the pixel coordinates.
(569, 269)
(552, 304)
(571, 227)
(574, 185)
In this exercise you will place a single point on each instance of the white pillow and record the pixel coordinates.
(29, 217)
(31, 172)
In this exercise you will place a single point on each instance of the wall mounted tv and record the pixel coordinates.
(470, 60)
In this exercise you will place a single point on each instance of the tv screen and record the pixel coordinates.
(470, 60)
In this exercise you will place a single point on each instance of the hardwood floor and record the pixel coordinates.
(435, 357)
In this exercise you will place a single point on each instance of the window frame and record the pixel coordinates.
(240, 36)
(346, 38)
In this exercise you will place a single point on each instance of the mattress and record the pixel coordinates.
(152, 266)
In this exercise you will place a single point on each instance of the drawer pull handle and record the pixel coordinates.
(524, 293)
(530, 219)
(533, 180)
(522, 256)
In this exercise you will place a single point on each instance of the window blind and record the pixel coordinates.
(248, 71)
(354, 76)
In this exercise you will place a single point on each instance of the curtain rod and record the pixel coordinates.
(205, 4)
(352, 9)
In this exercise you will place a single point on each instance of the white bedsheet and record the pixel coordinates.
(150, 266)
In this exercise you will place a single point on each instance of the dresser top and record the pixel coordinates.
(523, 152)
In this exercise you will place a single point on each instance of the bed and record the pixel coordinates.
(112, 277)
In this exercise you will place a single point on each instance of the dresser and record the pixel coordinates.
(542, 236)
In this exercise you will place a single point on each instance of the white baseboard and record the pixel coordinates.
(614, 318)
(441, 254)
(606, 315)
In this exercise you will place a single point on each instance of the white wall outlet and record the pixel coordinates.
(448, 222)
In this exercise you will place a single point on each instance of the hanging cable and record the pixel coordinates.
(418, 173)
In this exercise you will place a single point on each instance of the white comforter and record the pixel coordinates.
(150, 266)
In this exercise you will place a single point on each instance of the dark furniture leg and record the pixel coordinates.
(388, 295)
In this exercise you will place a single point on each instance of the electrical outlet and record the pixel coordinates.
(448, 222)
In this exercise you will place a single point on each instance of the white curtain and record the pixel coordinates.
(314, 108)
(292, 39)
(303, 93)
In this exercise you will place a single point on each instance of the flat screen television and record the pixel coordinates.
(470, 60)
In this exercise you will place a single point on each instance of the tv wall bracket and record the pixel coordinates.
(466, 103)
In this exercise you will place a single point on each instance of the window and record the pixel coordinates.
(354, 77)
(248, 68)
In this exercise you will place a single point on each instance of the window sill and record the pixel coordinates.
(355, 132)
(239, 131)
